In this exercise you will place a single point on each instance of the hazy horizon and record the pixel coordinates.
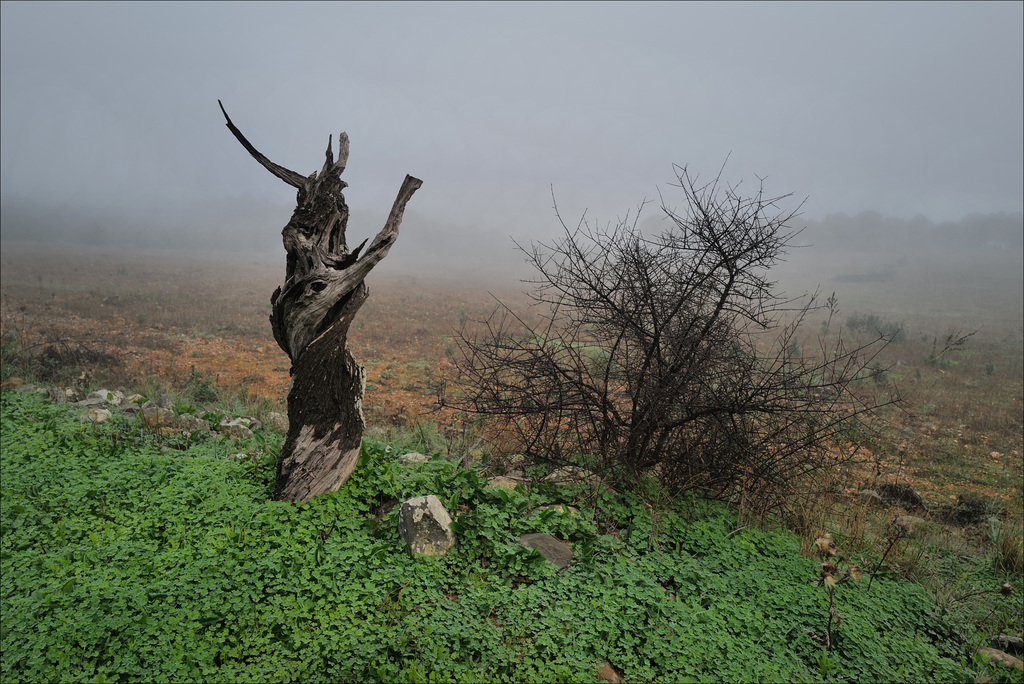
(110, 124)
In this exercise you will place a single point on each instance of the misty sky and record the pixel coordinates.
(897, 108)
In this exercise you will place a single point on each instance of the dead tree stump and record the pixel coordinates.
(310, 316)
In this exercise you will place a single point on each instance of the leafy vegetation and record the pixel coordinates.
(126, 555)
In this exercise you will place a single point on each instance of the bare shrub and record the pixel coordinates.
(671, 356)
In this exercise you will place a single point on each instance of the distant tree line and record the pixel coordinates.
(255, 223)
(245, 222)
(869, 231)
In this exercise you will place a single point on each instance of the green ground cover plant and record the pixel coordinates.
(129, 556)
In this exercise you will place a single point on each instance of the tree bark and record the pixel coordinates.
(310, 317)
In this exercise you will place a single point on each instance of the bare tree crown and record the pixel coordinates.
(667, 355)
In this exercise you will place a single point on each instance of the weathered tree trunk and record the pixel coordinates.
(311, 313)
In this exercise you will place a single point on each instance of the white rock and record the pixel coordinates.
(112, 398)
(277, 420)
(236, 429)
(156, 418)
(425, 526)
(190, 423)
(95, 415)
(573, 475)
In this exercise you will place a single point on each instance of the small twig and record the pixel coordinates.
(892, 542)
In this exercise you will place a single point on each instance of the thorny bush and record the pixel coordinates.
(671, 355)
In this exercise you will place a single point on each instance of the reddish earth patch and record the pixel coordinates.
(163, 314)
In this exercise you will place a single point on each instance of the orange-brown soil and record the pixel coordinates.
(167, 315)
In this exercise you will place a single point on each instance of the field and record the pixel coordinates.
(166, 321)
(166, 317)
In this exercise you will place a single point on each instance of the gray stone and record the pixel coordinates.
(553, 549)
(95, 415)
(573, 475)
(251, 423)
(157, 418)
(190, 423)
(425, 526)
(1010, 644)
(135, 399)
(907, 523)
(413, 457)
(130, 407)
(105, 395)
(505, 482)
(872, 497)
(34, 389)
(558, 508)
(236, 429)
(276, 420)
(92, 401)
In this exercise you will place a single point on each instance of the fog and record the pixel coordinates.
(905, 115)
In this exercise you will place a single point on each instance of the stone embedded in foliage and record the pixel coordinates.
(506, 482)
(573, 475)
(870, 496)
(33, 389)
(276, 420)
(95, 415)
(1010, 644)
(553, 549)
(425, 526)
(157, 418)
(413, 457)
(130, 407)
(607, 673)
(106, 396)
(163, 401)
(189, 423)
(1001, 658)
(907, 523)
(11, 384)
(235, 429)
(558, 508)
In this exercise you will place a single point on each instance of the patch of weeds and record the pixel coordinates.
(1008, 540)
(199, 387)
(969, 508)
(123, 559)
